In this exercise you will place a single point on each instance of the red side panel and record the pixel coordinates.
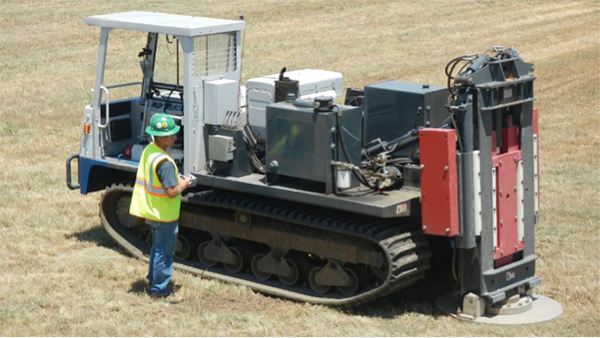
(506, 201)
(510, 139)
(439, 182)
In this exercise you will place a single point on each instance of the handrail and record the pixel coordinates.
(105, 89)
(70, 184)
(107, 108)
(125, 85)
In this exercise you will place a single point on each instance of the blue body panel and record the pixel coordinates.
(95, 175)
(85, 167)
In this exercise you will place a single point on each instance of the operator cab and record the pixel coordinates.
(170, 64)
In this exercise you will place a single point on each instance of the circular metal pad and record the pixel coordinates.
(542, 309)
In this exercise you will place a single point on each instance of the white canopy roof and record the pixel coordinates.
(182, 25)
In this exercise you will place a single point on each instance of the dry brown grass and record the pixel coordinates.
(62, 275)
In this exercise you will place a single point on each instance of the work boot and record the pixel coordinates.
(172, 298)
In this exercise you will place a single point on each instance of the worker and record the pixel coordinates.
(157, 199)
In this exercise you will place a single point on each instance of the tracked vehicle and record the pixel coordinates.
(306, 194)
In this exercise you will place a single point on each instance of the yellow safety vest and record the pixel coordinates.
(149, 200)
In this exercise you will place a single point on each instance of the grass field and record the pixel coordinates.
(62, 275)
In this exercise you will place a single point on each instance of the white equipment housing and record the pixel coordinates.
(311, 82)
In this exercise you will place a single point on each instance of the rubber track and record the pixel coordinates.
(403, 244)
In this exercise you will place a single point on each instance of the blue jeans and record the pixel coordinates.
(164, 239)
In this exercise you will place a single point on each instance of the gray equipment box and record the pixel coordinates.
(302, 143)
(228, 154)
(220, 148)
(393, 108)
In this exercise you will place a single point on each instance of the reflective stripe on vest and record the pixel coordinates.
(149, 199)
(150, 187)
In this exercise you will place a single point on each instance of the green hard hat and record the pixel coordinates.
(162, 125)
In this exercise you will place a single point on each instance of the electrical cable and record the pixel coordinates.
(254, 160)
(467, 60)
(355, 170)
(454, 264)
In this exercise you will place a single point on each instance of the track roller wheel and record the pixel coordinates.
(316, 287)
(299, 267)
(292, 279)
(353, 285)
(255, 270)
(183, 248)
(242, 256)
(202, 258)
(238, 263)
(122, 212)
